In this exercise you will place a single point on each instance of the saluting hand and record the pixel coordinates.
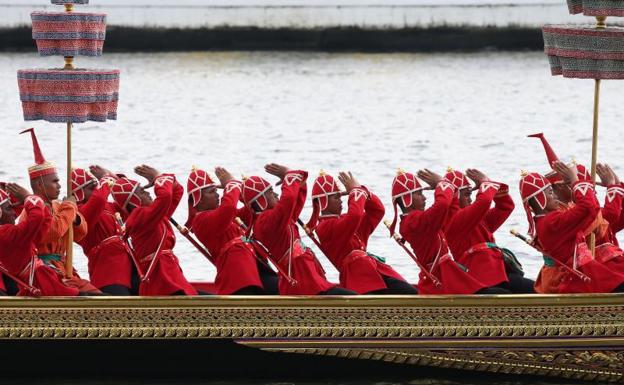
(98, 171)
(615, 176)
(19, 192)
(607, 178)
(276, 169)
(430, 177)
(223, 175)
(568, 173)
(147, 172)
(476, 176)
(348, 180)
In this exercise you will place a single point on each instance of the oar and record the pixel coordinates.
(129, 247)
(262, 249)
(35, 291)
(184, 231)
(409, 252)
(579, 274)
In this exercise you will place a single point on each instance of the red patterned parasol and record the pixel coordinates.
(69, 95)
(588, 52)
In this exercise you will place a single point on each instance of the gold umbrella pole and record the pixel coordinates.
(69, 254)
(600, 23)
(69, 261)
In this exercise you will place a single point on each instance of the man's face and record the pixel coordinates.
(271, 197)
(465, 197)
(47, 187)
(419, 200)
(334, 205)
(552, 201)
(7, 216)
(209, 199)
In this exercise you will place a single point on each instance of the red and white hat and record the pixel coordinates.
(457, 179)
(41, 166)
(533, 185)
(254, 188)
(124, 192)
(324, 186)
(198, 180)
(81, 178)
(403, 185)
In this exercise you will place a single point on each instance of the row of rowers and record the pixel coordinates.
(257, 248)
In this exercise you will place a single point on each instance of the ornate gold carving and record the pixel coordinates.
(576, 336)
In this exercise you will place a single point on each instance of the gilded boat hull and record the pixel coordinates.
(572, 336)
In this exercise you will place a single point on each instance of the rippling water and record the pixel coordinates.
(368, 113)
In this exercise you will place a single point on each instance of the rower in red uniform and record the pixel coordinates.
(239, 270)
(470, 232)
(422, 229)
(152, 236)
(18, 243)
(52, 245)
(604, 227)
(273, 224)
(110, 264)
(561, 233)
(344, 237)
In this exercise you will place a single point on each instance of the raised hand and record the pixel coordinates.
(98, 171)
(223, 175)
(616, 179)
(17, 191)
(276, 169)
(606, 175)
(348, 180)
(148, 173)
(476, 176)
(430, 177)
(568, 173)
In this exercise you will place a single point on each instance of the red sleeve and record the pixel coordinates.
(374, 211)
(284, 210)
(92, 210)
(302, 195)
(466, 219)
(219, 219)
(178, 192)
(434, 217)
(153, 214)
(612, 209)
(581, 215)
(31, 226)
(503, 207)
(345, 226)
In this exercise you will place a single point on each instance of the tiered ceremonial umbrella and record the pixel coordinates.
(68, 94)
(588, 52)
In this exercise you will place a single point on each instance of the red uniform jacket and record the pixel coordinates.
(235, 259)
(607, 246)
(277, 230)
(471, 227)
(344, 239)
(423, 231)
(109, 260)
(561, 236)
(18, 250)
(153, 237)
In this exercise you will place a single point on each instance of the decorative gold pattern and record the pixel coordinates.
(574, 336)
